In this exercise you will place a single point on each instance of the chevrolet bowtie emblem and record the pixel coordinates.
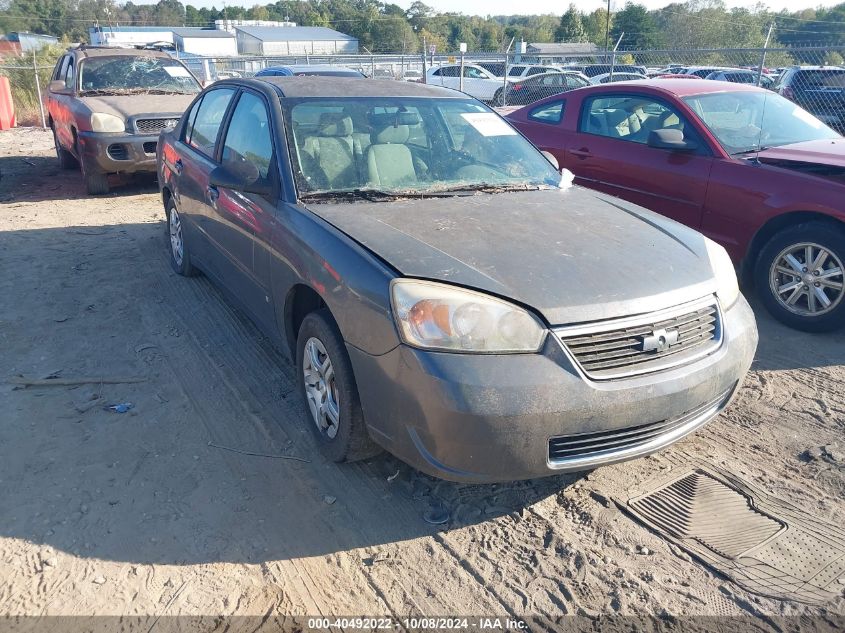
(660, 340)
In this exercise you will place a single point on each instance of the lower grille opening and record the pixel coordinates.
(150, 147)
(599, 443)
(118, 151)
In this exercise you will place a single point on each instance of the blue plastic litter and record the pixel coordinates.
(123, 407)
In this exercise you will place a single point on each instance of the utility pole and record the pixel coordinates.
(763, 56)
(607, 31)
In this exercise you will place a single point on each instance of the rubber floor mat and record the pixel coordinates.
(762, 543)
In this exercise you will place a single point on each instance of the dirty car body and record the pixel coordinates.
(491, 324)
(107, 107)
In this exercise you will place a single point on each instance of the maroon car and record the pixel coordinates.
(743, 165)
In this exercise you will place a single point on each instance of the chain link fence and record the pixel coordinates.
(813, 77)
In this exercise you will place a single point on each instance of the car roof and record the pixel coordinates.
(107, 51)
(685, 87)
(335, 87)
(302, 68)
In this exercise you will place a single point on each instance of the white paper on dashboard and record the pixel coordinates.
(488, 124)
(177, 71)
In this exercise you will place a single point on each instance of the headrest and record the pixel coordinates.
(335, 124)
(386, 119)
(392, 134)
(615, 117)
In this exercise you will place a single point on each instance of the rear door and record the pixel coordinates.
(609, 152)
(193, 161)
(240, 222)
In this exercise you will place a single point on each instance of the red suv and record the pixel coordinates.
(747, 167)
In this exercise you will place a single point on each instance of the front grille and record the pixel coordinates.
(626, 347)
(118, 151)
(150, 147)
(154, 126)
(601, 443)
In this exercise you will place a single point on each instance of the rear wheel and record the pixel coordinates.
(180, 257)
(799, 276)
(96, 181)
(498, 98)
(329, 390)
(66, 159)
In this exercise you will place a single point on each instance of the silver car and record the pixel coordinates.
(443, 292)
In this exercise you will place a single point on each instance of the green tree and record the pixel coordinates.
(639, 28)
(570, 29)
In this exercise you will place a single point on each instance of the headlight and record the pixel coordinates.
(723, 270)
(101, 122)
(443, 317)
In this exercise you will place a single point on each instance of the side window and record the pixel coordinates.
(548, 112)
(573, 82)
(473, 73)
(437, 72)
(189, 122)
(248, 148)
(450, 71)
(630, 118)
(536, 70)
(516, 71)
(70, 74)
(61, 67)
(207, 121)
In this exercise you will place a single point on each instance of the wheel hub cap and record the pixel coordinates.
(176, 236)
(320, 387)
(807, 279)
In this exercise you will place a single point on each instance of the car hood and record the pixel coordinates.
(573, 255)
(125, 106)
(826, 152)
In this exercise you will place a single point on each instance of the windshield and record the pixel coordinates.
(408, 147)
(127, 74)
(749, 121)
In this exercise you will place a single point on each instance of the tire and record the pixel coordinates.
(66, 159)
(346, 438)
(180, 256)
(96, 181)
(804, 289)
(498, 100)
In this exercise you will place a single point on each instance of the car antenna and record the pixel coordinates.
(762, 122)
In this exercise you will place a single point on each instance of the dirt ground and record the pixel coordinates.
(137, 513)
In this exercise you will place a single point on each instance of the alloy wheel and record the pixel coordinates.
(807, 279)
(320, 387)
(176, 245)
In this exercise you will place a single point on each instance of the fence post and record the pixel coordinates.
(372, 66)
(505, 82)
(38, 90)
(461, 80)
(763, 55)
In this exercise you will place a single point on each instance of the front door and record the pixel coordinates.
(609, 152)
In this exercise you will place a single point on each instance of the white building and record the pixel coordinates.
(229, 25)
(208, 42)
(293, 40)
(128, 36)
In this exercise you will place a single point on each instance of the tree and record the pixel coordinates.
(595, 24)
(571, 29)
(639, 27)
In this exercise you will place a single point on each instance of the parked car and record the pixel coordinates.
(748, 168)
(478, 83)
(515, 71)
(310, 70)
(819, 90)
(441, 291)
(412, 75)
(703, 71)
(592, 70)
(608, 78)
(106, 107)
(740, 77)
(539, 86)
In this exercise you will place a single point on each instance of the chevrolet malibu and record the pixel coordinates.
(442, 291)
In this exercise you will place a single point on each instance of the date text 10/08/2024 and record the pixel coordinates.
(418, 624)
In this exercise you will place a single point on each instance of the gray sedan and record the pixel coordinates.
(443, 292)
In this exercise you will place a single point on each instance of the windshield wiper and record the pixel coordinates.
(373, 195)
(750, 150)
(484, 187)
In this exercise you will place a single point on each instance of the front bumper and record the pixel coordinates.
(486, 418)
(119, 152)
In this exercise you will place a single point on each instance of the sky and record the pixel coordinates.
(508, 7)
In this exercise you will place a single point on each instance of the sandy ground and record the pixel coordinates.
(134, 513)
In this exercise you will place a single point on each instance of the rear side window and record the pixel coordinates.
(70, 74)
(820, 79)
(189, 121)
(209, 116)
(516, 71)
(536, 70)
(548, 112)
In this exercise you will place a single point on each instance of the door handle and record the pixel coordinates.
(580, 153)
(177, 166)
(212, 192)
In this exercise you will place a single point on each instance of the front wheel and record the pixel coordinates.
(328, 388)
(799, 276)
(96, 182)
(66, 159)
(498, 98)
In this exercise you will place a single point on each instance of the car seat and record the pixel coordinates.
(329, 154)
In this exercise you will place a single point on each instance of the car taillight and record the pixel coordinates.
(517, 87)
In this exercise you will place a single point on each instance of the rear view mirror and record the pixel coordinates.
(551, 158)
(57, 85)
(671, 140)
(245, 179)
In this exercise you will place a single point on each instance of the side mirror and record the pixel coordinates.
(57, 85)
(551, 158)
(671, 140)
(243, 177)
